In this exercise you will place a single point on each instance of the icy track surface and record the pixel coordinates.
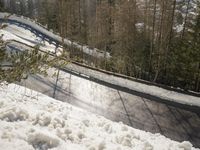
(13, 32)
(30, 120)
(139, 87)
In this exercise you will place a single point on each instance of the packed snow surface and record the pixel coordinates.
(31, 120)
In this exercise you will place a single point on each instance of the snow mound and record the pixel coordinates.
(33, 121)
(13, 114)
(42, 140)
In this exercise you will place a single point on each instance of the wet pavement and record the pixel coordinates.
(135, 111)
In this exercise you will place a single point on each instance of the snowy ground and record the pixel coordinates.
(138, 112)
(31, 120)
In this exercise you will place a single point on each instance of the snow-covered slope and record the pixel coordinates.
(30, 120)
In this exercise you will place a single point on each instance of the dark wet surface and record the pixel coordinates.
(138, 112)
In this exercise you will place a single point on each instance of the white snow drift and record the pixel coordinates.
(30, 120)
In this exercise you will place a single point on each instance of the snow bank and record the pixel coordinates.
(30, 120)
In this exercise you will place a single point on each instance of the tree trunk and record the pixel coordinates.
(185, 21)
(152, 39)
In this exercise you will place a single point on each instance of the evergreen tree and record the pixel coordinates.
(16, 65)
(185, 59)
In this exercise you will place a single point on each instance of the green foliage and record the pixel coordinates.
(184, 59)
(1, 6)
(16, 65)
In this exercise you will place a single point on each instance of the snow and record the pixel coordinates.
(136, 86)
(179, 28)
(31, 120)
(13, 32)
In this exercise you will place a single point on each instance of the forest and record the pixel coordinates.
(153, 40)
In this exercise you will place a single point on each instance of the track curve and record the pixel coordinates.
(51, 37)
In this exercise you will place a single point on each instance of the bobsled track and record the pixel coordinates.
(46, 35)
(140, 104)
